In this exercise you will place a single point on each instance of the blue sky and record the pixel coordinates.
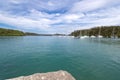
(58, 16)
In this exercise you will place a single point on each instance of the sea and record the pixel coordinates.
(84, 59)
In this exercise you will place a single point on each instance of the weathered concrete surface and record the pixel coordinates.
(58, 75)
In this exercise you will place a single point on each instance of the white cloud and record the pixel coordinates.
(24, 22)
(88, 5)
(73, 16)
(109, 16)
(50, 3)
(15, 1)
(48, 15)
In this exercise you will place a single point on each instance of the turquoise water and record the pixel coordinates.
(86, 59)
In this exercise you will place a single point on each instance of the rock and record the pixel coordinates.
(58, 75)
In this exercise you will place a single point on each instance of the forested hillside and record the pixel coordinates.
(105, 31)
(10, 32)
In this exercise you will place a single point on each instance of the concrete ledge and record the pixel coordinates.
(58, 75)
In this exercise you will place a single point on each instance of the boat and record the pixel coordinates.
(92, 36)
(99, 34)
(85, 36)
(113, 34)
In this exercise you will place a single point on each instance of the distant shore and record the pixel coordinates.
(11, 32)
(105, 31)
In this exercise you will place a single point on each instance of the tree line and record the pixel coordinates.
(105, 31)
(10, 32)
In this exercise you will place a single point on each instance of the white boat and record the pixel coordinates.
(113, 33)
(92, 36)
(71, 36)
(100, 36)
(84, 37)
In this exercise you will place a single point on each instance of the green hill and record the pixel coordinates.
(31, 34)
(10, 32)
(105, 31)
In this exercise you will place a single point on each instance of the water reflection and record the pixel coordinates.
(106, 41)
(11, 37)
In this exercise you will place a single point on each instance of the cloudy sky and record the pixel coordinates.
(58, 16)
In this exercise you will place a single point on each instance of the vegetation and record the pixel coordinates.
(31, 34)
(57, 34)
(10, 32)
(105, 31)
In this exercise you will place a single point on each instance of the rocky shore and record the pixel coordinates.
(58, 75)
